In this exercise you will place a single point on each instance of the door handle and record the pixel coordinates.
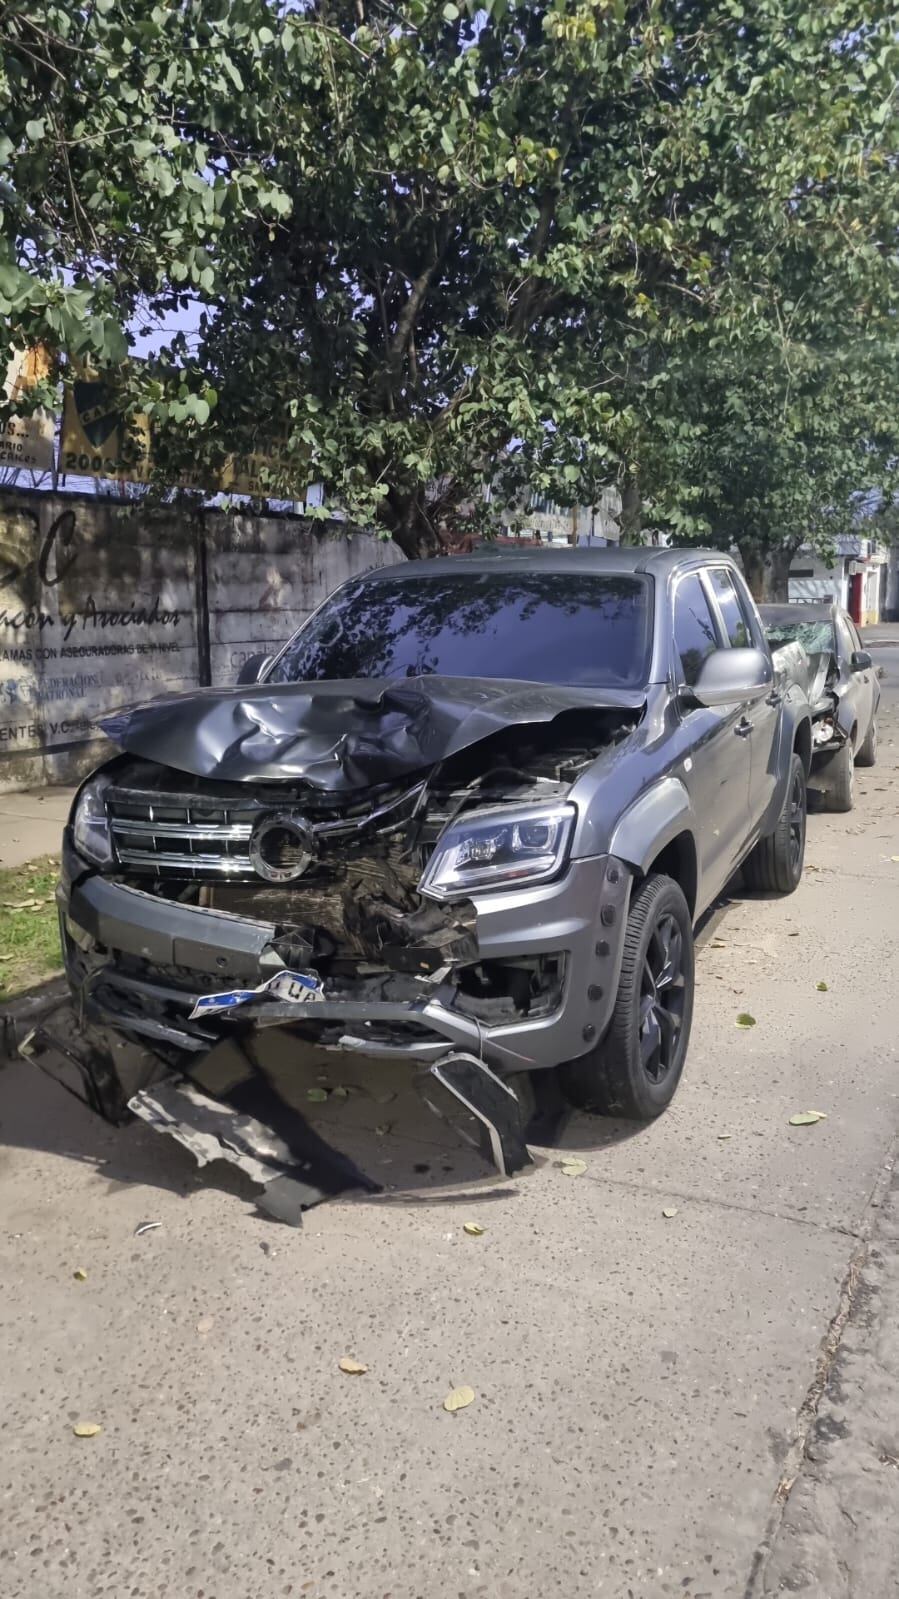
(743, 729)
(774, 698)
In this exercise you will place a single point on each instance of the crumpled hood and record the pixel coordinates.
(340, 736)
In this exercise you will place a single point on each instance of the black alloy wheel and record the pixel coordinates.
(662, 999)
(634, 1070)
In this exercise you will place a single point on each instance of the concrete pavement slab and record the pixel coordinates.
(31, 824)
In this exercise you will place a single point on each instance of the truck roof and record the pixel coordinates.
(614, 561)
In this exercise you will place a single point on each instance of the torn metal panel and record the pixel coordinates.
(339, 737)
(253, 1129)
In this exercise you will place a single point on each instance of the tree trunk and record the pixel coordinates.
(631, 518)
(410, 527)
(767, 570)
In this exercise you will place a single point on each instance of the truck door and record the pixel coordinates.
(743, 629)
(861, 688)
(716, 768)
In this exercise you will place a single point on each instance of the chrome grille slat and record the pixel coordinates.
(237, 832)
(222, 865)
(178, 833)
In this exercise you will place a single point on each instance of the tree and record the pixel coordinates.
(769, 455)
(440, 244)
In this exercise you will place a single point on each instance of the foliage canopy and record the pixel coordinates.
(441, 244)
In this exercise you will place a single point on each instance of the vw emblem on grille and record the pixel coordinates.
(281, 847)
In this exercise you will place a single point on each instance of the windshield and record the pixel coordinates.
(815, 637)
(547, 627)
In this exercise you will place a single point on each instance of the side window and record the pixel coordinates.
(736, 627)
(694, 630)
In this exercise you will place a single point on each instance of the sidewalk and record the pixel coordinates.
(31, 824)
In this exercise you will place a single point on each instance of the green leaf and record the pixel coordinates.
(450, 13)
(745, 1020)
(34, 129)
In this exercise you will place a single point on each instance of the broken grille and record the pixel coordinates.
(180, 835)
(208, 836)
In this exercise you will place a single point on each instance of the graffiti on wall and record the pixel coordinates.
(93, 615)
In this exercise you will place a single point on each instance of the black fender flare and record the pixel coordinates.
(659, 815)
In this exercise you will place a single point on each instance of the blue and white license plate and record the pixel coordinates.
(297, 987)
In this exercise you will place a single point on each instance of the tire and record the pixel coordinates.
(867, 751)
(840, 792)
(635, 1070)
(775, 865)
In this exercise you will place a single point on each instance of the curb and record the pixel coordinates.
(23, 1012)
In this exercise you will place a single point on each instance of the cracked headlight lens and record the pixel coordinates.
(90, 823)
(502, 848)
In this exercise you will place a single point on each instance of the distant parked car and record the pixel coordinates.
(842, 689)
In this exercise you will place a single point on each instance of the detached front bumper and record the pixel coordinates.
(137, 963)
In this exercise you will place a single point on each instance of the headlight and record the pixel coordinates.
(823, 731)
(90, 823)
(499, 849)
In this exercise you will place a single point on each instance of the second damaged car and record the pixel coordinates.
(842, 687)
(467, 818)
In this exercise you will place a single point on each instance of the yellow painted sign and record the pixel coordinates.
(97, 442)
(27, 441)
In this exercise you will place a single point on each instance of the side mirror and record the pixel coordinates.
(253, 669)
(730, 677)
(860, 661)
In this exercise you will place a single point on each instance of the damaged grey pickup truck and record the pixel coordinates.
(467, 817)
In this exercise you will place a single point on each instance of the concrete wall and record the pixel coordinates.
(266, 575)
(104, 603)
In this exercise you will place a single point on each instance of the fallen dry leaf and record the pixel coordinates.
(353, 1368)
(383, 1129)
(821, 987)
(671, 1211)
(79, 1274)
(146, 1227)
(459, 1399)
(895, 859)
(317, 1095)
(745, 1020)
(473, 1229)
(340, 1092)
(86, 1429)
(19, 904)
(807, 1118)
(573, 1168)
(205, 1325)
(723, 1137)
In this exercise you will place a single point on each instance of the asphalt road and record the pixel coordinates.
(645, 1384)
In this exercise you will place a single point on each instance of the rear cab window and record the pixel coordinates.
(735, 613)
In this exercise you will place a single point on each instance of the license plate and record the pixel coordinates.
(299, 988)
